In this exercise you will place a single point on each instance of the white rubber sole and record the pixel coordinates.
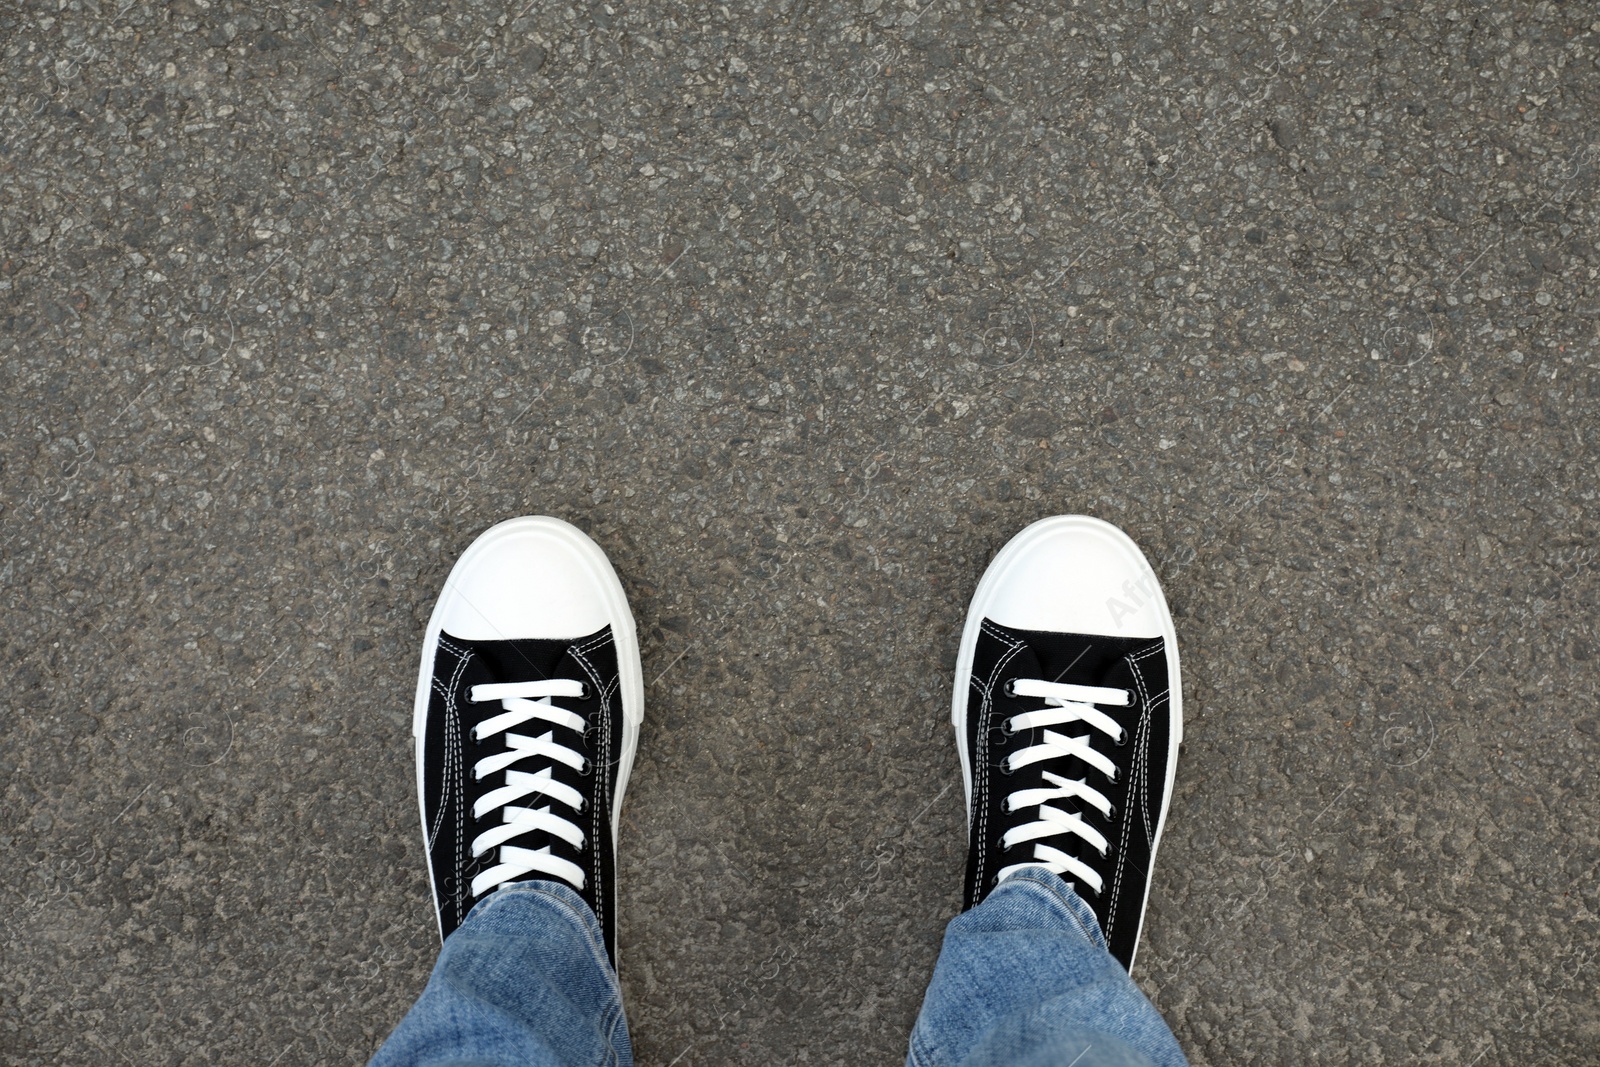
(998, 571)
(630, 671)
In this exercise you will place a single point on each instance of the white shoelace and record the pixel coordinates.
(524, 702)
(1068, 704)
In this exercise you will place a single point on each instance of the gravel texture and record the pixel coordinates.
(801, 309)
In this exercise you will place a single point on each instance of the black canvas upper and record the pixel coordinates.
(449, 754)
(1138, 665)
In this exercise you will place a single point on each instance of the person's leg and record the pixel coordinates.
(525, 980)
(1024, 980)
(526, 722)
(1068, 715)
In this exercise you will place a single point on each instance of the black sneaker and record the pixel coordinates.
(526, 720)
(1068, 714)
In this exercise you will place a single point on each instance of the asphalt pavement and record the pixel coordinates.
(801, 310)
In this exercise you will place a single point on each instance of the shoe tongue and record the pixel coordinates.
(1077, 659)
(528, 659)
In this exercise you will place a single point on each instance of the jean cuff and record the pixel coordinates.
(555, 896)
(1050, 889)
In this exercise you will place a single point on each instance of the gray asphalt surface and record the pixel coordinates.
(801, 310)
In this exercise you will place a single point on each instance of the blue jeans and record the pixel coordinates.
(1024, 980)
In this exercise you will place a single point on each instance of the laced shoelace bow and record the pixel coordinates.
(528, 702)
(1068, 704)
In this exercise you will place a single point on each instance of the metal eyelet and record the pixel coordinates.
(1010, 688)
(1006, 728)
(1123, 739)
(584, 770)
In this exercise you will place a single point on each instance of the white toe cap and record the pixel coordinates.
(1074, 574)
(531, 577)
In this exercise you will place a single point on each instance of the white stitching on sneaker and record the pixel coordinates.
(980, 758)
(454, 770)
(1141, 758)
(449, 695)
(599, 821)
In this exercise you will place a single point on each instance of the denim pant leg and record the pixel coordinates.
(525, 981)
(1024, 980)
